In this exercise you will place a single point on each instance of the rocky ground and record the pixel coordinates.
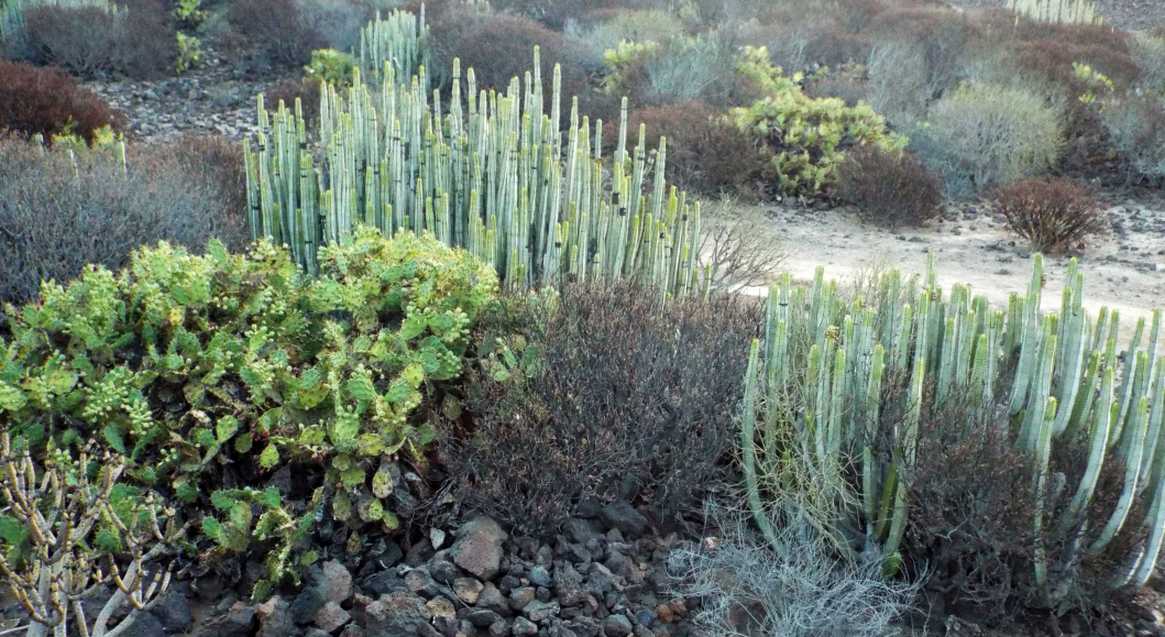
(604, 576)
(212, 99)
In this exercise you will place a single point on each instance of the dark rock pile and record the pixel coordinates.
(604, 575)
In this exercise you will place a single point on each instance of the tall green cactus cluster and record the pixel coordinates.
(827, 363)
(400, 40)
(491, 172)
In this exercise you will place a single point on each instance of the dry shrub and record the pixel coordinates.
(971, 513)
(889, 188)
(919, 54)
(56, 216)
(501, 47)
(138, 42)
(686, 69)
(705, 153)
(834, 48)
(1054, 214)
(973, 507)
(274, 32)
(984, 135)
(553, 13)
(306, 90)
(739, 247)
(619, 395)
(49, 102)
(1135, 126)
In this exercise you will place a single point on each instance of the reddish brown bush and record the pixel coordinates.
(704, 153)
(622, 397)
(49, 102)
(138, 42)
(889, 189)
(1054, 214)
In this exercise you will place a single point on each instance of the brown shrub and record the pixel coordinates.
(501, 47)
(941, 36)
(307, 90)
(138, 42)
(626, 398)
(1053, 59)
(971, 512)
(834, 48)
(274, 32)
(704, 153)
(1054, 214)
(49, 102)
(54, 220)
(889, 189)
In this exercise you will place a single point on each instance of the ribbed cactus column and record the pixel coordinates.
(492, 173)
(850, 376)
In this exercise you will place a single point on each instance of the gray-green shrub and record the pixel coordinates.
(984, 135)
(58, 214)
(1136, 129)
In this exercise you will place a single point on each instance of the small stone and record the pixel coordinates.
(336, 582)
(523, 626)
(274, 618)
(540, 576)
(395, 614)
(441, 607)
(331, 617)
(478, 548)
(436, 537)
(492, 599)
(499, 628)
(467, 589)
(481, 617)
(617, 626)
(539, 612)
(520, 597)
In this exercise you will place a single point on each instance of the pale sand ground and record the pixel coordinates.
(1124, 270)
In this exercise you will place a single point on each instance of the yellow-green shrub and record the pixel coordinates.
(209, 371)
(806, 137)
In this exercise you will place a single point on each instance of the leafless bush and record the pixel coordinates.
(794, 587)
(617, 394)
(64, 517)
(59, 213)
(1053, 214)
(889, 188)
(741, 252)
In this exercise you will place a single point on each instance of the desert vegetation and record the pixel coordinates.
(476, 329)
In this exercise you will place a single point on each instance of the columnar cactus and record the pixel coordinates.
(826, 362)
(491, 173)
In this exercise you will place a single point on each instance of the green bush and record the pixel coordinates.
(205, 372)
(985, 135)
(805, 137)
(331, 66)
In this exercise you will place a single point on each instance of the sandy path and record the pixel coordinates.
(1123, 271)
